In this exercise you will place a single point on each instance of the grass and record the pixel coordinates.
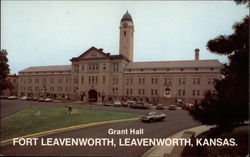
(240, 134)
(29, 121)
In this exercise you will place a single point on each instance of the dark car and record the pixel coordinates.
(140, 105)
(172, 107)
(159, 107)
(153, 116)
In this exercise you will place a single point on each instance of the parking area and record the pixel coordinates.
(12, 106)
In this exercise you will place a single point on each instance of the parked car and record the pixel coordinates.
(159, 107)
(24, 98)
(153, 116)
(131, 103)
(125, 104)
(172, 107)
(41, 99)
(106, 103)
(140, 105)
(12, 97)
(34, 98)
(4, 97)
(187, 106)
(117, 103)
(48, 100)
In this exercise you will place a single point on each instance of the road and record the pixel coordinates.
(176, 120)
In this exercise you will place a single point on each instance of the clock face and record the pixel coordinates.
(125, 25)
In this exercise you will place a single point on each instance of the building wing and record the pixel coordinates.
(47, 68)
(174, 64)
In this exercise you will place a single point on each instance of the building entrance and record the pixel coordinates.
(92, 95)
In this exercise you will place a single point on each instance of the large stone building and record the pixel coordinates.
(96, 75)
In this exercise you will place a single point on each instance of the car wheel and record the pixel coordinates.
(151, 121)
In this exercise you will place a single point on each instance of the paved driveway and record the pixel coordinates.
(175, 121)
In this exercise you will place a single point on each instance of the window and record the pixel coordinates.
(103, 79)
(156, 92)
(179, 92)
(182, 81)
(196, 80)
(168, 81)
(183, 92)
(196, 92)
(82, 79)
(124, 33)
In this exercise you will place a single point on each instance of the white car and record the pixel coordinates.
(153, 116)
(48, 100)
(12, 97)
(24, 98)
(117, 103)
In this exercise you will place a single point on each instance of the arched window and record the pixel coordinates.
(124, 33)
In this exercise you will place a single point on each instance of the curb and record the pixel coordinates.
(162, 151)
(49, 132)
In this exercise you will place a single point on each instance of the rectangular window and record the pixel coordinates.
(156, 92)
(82, 67)
(209, 81)
(103, 79)
(198, 80)
(179, 81)
(183, 92)
(82, 79)
(179, 92)
(96, 79)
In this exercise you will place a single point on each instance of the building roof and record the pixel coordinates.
(174, 64)
(100, 51)
(48, 68)
(127, 16)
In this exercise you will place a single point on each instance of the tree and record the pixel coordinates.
(4, 84)
(229, 105)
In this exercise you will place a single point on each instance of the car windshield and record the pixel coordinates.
(151, 113)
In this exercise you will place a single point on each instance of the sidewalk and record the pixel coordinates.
(171, 151)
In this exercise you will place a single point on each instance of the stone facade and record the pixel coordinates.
(96, 75)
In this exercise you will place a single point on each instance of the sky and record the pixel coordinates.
(40, 33)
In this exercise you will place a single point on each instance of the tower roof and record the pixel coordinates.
(127, 17)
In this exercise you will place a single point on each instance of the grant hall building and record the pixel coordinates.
(96, 76)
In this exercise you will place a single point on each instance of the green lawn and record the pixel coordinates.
(30, 121)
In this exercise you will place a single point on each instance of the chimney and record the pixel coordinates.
(196, 51)
(101, 49)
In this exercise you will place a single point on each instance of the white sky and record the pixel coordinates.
(37, 33)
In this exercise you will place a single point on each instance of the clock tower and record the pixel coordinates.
(127, 36)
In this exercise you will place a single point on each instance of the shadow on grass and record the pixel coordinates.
(240, 134)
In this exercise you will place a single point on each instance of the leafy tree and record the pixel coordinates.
(229, 105)
(4, 84)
